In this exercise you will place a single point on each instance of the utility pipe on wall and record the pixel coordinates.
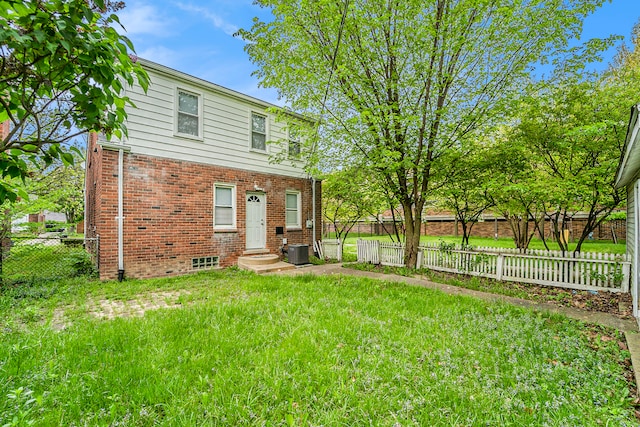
(313, 210)
(120, 217)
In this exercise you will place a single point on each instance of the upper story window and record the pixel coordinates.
(189, 114)
(294, 142)
(258, 132)
(224, 201)
(293, 214)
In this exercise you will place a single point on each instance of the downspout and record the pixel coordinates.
(121, 149)
(120, 217)
(313, 210)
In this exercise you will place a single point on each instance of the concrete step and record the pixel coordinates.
(262, 259)
(263, 263)
(268, 268)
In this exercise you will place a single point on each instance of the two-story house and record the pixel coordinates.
(193, 186)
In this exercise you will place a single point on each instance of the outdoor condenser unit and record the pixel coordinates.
(298, 254)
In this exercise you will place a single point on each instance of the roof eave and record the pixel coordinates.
(631, 151)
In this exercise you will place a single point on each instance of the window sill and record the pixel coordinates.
(225, 230)
(187, 136)
(294, 228)
(255, 150)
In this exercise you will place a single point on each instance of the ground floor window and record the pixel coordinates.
(293, 211)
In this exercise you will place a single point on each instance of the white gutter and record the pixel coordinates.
(313, 210)
(623, 176)
(120, 217)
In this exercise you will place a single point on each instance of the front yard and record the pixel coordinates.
(232, 348)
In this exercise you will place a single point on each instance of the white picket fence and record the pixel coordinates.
(584, 271)
(329, 248)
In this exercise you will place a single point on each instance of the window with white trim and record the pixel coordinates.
(293, 214)
(224, 202)
(188, 114)
(258, 132)
(294, 142)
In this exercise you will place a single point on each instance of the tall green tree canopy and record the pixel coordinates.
(564, 144)
(348, 196)
(63, 68)
(398, 83)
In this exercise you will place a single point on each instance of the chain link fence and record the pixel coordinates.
(42, 259)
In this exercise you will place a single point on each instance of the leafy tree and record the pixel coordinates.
(465, 190)
(59, 188)
(347, 197)
(576, 132)
(63, 68)
(576, 127)
(399, 83)
(516, 187)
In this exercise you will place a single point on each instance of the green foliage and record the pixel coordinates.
(467, 186)
(33, 228)
(58, 188)
(31, 262)
(23, 406)
(398, 85)
(83, 264)
(622, 215)
(348, 196)
(560, 156)
(574, 132)
(63, 67)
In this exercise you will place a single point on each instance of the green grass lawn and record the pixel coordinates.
(307, 350)
(606, 246)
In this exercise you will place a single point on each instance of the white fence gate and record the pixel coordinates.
(584, 271)
(329, 248)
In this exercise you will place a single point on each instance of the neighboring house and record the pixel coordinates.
(44, 216)
(193, 186)
(629, 176)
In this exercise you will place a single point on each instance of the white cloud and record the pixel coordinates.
(214, 18)
(161, 55)
(145, 19)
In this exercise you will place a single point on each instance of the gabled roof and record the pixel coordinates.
(170, 72)
(629, 166)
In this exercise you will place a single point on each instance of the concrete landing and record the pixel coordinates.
(263, 263)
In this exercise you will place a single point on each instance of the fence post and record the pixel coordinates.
(626, 277)
(499, 266)
(419, 262)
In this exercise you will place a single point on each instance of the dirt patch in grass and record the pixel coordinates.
(616, 303)
(110, 309)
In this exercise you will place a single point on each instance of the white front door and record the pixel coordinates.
(256, 221)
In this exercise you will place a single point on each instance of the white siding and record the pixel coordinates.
(632, 242)
(226, 126)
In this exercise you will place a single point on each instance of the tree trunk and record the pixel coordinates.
(412, 223)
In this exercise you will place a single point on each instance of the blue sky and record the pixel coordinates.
(196, 36)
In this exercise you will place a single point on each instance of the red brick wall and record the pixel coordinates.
(5, 128)
(168, 210)
(490, 227)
